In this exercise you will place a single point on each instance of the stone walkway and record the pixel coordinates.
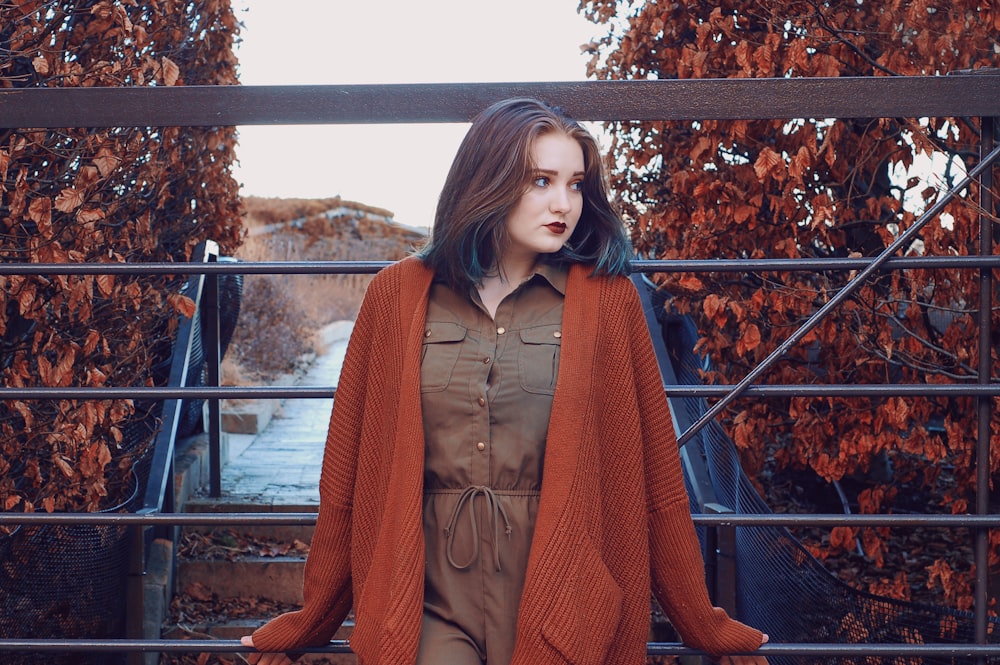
(280, 466)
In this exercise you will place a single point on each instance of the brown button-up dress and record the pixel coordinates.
(486, 393)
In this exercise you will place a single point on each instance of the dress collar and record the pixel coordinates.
(554, 274)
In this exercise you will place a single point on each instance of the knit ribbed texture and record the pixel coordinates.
(613, 500)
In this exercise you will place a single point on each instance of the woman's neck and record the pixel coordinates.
(502, 282)
(515, 270)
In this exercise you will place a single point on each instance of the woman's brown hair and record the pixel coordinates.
(488, 176)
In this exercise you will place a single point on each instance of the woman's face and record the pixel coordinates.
(547, 213)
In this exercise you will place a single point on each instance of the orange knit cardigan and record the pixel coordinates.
(613, 506)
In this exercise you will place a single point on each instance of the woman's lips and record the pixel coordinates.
(556, 227)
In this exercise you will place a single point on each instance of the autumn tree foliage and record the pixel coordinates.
(84, 195)
(807, 188)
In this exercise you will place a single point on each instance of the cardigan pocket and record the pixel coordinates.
(586, 609)
(538, 358)
(441, 348)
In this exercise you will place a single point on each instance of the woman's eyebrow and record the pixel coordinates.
(551, 172)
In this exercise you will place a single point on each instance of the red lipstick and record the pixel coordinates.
(558, 228)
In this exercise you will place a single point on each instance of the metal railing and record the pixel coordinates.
(962, 95)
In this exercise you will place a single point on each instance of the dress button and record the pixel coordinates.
(557, 334)
(501, 330)
(486, 360)
(427, 333)
(481, 446)
(482, 401)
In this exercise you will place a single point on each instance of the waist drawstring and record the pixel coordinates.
(495, 509)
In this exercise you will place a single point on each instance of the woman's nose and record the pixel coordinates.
(560, 200)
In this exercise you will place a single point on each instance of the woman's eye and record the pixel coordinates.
(541, 181)
(577, 186)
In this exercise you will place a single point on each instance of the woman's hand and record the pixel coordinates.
(745, 660)
(257, 658)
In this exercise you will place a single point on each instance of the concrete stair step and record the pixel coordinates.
(273, 578)
(243, 561)
(286, 533)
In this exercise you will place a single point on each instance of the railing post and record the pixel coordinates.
(213, 361)
(984, 403)
(720, 565)
(720, 562)
(135, 603)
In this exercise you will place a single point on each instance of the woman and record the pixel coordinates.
(501, 474)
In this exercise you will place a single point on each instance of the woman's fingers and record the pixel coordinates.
(254, 656)
(258, 658)
(746, 660)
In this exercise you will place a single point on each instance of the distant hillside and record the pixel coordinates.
(344, 230)
(280, 314)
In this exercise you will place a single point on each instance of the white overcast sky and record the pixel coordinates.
(399, 167)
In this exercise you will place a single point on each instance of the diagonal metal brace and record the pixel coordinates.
(852, 286)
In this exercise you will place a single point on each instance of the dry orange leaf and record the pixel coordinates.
(749, 339)
(87, 177)
(102, 10)
(106, 161)
(105, 284)
(40, 211)
(86, 215)
(69, 199)
(769, 164)
(93, 338)
(170, 71)
(26, 414)
(182, 305)
(63, 465)
(691, 283)
(713, 304)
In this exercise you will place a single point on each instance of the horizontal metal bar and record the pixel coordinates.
(171, 646)
(652, 648)
(849, 390)
(196, 268)
(676, 99)
(165, 519)
(172, 392)
(672, 390)
(372, 267)
(857, 650)
(812, 265)
(947, 521)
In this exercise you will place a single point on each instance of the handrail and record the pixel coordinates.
(672, 390)
(960, 94)
(653, 648)
(340, 267)
(943, 520)
(163, 448)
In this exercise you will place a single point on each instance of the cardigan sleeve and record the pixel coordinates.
(327, 596)
(677, 567)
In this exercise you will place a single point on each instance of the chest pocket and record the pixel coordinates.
(538, 358)
(442, 346)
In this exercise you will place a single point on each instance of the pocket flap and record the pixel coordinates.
(551, 334)
(443, 331)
